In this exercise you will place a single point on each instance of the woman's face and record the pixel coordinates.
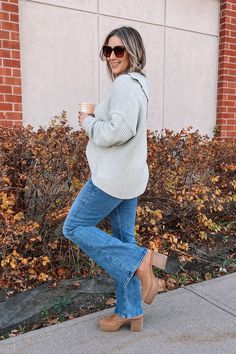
(117, 65)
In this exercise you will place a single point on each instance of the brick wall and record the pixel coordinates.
(226, 95)
(10, 73)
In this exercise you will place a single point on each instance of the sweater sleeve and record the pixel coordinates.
(123, 116)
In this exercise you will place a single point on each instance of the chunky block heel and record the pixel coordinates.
(145, 273)
(114, 322)
(136, 324)
(159, 260)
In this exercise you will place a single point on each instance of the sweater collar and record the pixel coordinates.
(142, 81)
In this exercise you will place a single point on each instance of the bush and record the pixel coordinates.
(191, 192)
(41, 173)
(190, 197)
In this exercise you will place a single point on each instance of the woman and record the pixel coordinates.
(117, 153)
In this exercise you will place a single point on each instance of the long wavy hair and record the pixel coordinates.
(133, 43)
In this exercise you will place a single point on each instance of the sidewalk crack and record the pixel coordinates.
(210, 302)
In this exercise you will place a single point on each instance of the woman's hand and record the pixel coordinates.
(81, 117)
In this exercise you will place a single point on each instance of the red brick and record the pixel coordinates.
(16, 90)
(224, 32)
(221, 109)
(233, 47)
(231, 121)
(11, 44)
(231, 134)
(1, 80)
(229, 39)
(13, 1)
(7, 123)
(9, 26)
(16, 73)
(15, 36)
(233, 20)
(223, 5)
(5, 89)
(4, 35)
(5, 107)
(5, 53)
(224, 45)
(223, 58)
(18, 122)
(226, 91)
(18, 107)
(224, 65)
(16, 81)
(221, 121)
(15, 54)
(9, 7)
(228, 13)
(232, 98)
(232, 27)
(13, 98)
(231, 109)
(221, 97)
(228, 78)
(5, 71)
(228, 127)
(11, 63)
(224, 22)
(226, 115)
(232, 72)
(228, 52)
(222, 83)
(4, 16)
(227, 103)
(232, 84)
(232, 34)
(13, 116)
(14, 18)
(2, 98)
(223, 72)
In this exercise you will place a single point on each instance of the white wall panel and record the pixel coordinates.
(190, 80)
(142, 10)
(59, 61)
(85, 5)
(194, 15)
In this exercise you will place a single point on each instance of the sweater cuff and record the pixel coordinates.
(86, 123)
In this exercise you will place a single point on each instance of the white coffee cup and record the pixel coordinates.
(87, 108)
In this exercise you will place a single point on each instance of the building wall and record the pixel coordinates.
(226, 98)
(10, 73)
(60, 42)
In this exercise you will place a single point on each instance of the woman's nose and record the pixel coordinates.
(112, 56)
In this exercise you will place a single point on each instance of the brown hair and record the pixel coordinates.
(133, 43)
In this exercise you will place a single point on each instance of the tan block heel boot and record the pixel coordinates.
(114, 322)
(150, 283)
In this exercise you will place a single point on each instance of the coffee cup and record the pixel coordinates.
(87, 108)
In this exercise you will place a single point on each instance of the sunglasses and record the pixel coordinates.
(118, 51)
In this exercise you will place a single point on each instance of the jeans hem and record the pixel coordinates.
(125, 316)
(136, 267)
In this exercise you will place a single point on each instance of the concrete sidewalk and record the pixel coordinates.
(199, 318)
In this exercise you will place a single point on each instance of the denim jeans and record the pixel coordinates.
(118, 253)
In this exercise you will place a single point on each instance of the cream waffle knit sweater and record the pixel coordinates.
(117, 148)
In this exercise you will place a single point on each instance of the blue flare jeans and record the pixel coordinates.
(118, 253)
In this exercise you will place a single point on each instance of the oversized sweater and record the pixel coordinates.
(117, 148)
